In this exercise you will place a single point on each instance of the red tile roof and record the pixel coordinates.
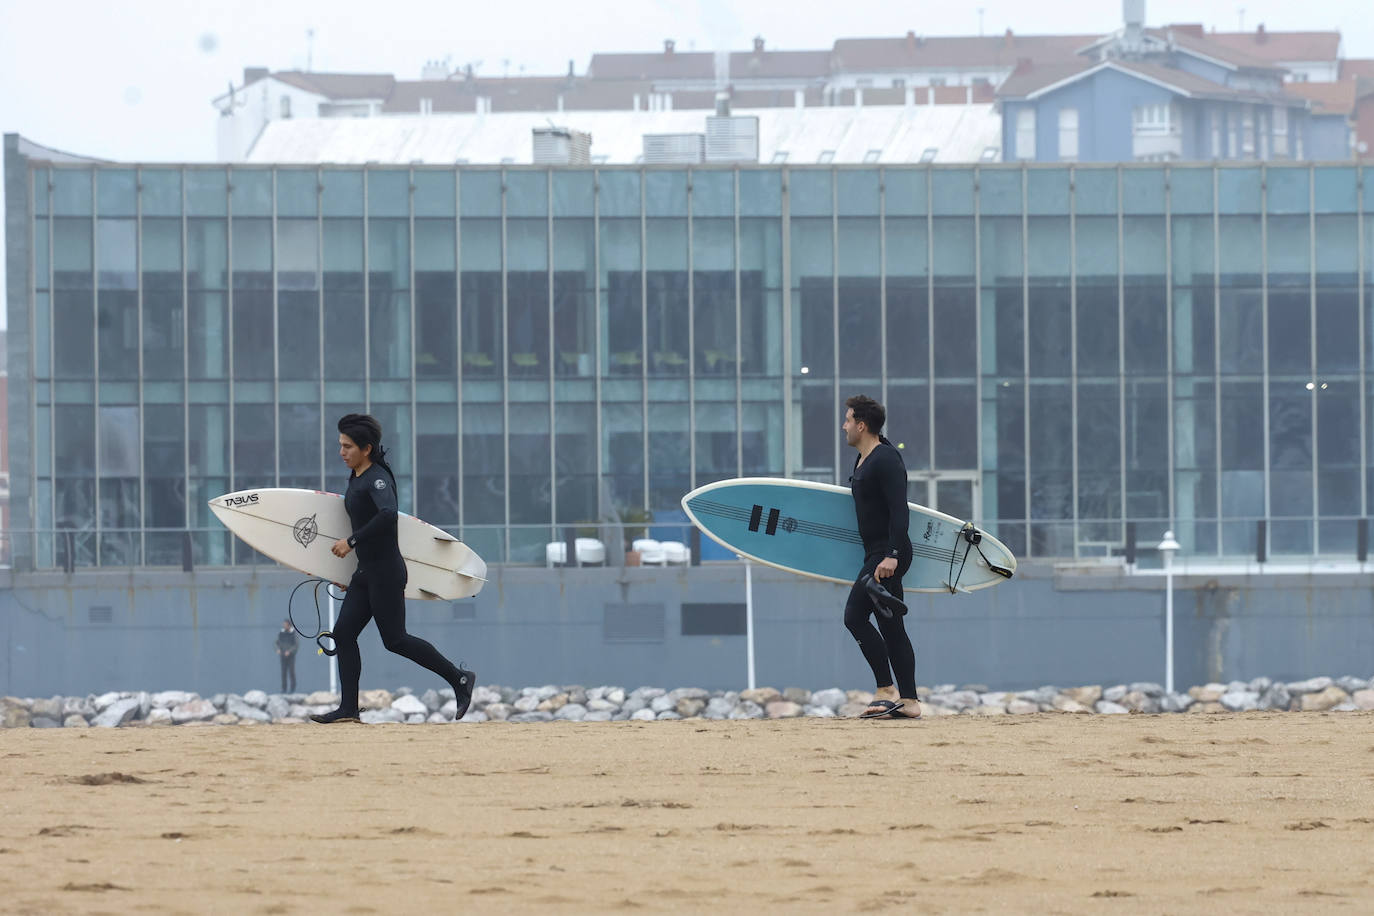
(677, 65)
(1357, 67)
(1028, 81)
(779, 64)
(916, 53)
(340, 85)
(1282, 46)
(1326, 98)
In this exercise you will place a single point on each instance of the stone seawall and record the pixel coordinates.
(606, 704)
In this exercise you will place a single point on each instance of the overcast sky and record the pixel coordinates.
(133, 81)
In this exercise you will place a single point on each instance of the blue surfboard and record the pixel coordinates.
(810, 529)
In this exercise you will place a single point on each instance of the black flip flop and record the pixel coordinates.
(888, 707)
(884, 602)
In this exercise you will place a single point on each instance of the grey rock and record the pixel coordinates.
(508, 694)
(689, 693)
(117, 713)
(976, 688)
(634, 704)
(1108, 708)
(473, 715)
(571, 712)
(818, 712)
(105, 700)
(547, 691)
(833, 698)
(1276, 697)
(159, 715)
(747, 710)
(79, 706)
(277, 707)
(526, 704)
(942, 688)
(417, 718)
(1175, 702)
(1347, 706)
(438, 718)
(256, 698)
(1260, 684)
(1022, 707)
(46, 722)
(597, 693)
(783, 709)
(959, 699)
(662, 703)
(410, 706)
(668, 714)
(718, 708)
(687, 707)
(381, 716)
(241, 708)
(1311, 685)
(402, 692)
(597, 716)
(600, 704)
(1347, 683)
(432, 700)
(1042, 696)
(1240, 700)
(577, 696)
(299, 711)
(193, 711)
(1136, 701)
(1149, 688)
(797, 695)
(52, 709)
(75, 721)
(1114, 694)
(497, 712)
(169, 698)
(536, 716)
(644, 715)
(621, 715)
(647, 693)
(219, 700)
(996, 698)
(1235, 686)
(615, 695)
(485, 696)
(449, 710)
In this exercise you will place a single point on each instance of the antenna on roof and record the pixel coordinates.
(309, 49)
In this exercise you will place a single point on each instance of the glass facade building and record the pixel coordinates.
(1061, 349)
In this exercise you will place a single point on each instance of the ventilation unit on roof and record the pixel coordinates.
(732, 138)
(664, 149)
(562, 146)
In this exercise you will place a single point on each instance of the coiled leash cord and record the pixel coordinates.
(320, 633)
(972, 538)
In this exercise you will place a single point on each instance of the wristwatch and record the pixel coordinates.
(352, 541)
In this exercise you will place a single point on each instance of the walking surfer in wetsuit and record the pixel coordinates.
(879, 487)
(377, 589)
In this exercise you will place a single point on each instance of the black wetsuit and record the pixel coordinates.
(377, 591)
(879, 486)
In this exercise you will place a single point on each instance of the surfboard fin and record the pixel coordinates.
(447, 540)
(956, 588)
(428, 594)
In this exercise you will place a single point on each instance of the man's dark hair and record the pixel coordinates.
(868, 412)
(364, 430)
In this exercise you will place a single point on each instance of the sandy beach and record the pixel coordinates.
(1257, 812)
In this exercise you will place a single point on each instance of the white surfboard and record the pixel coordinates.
(297, 528)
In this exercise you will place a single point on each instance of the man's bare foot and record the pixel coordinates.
(911, 709)
(883, 693)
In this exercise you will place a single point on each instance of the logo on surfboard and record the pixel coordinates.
(305, 531)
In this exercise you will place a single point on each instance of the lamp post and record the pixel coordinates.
(749, 617)
(1166, 549)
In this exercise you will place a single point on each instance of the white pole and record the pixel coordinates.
(1168, 621)
(749, 617)
(333, 659)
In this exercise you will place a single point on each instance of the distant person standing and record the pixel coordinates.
(286, 652)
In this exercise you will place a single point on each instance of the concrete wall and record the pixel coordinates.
(212, 631)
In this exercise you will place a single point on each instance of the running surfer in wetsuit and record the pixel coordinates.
(879, 487)
(377, 589)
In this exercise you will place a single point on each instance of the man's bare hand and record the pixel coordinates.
(886, 568)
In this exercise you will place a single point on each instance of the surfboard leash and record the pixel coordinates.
(973, 539)
(320, 632)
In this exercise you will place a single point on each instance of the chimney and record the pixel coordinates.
(668, 45)
(571, 74)
(758, 44)
(1133, 15)
(1008, 39)
(253, 74)
(1261, 36)
(911, 41)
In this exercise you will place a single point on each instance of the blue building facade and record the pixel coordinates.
(1062, 349)
(1166, 100)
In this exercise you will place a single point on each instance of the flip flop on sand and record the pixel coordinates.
(880, 708)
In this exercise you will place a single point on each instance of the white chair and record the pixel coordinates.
(675, 553)
(650, 552)
(590, 552)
